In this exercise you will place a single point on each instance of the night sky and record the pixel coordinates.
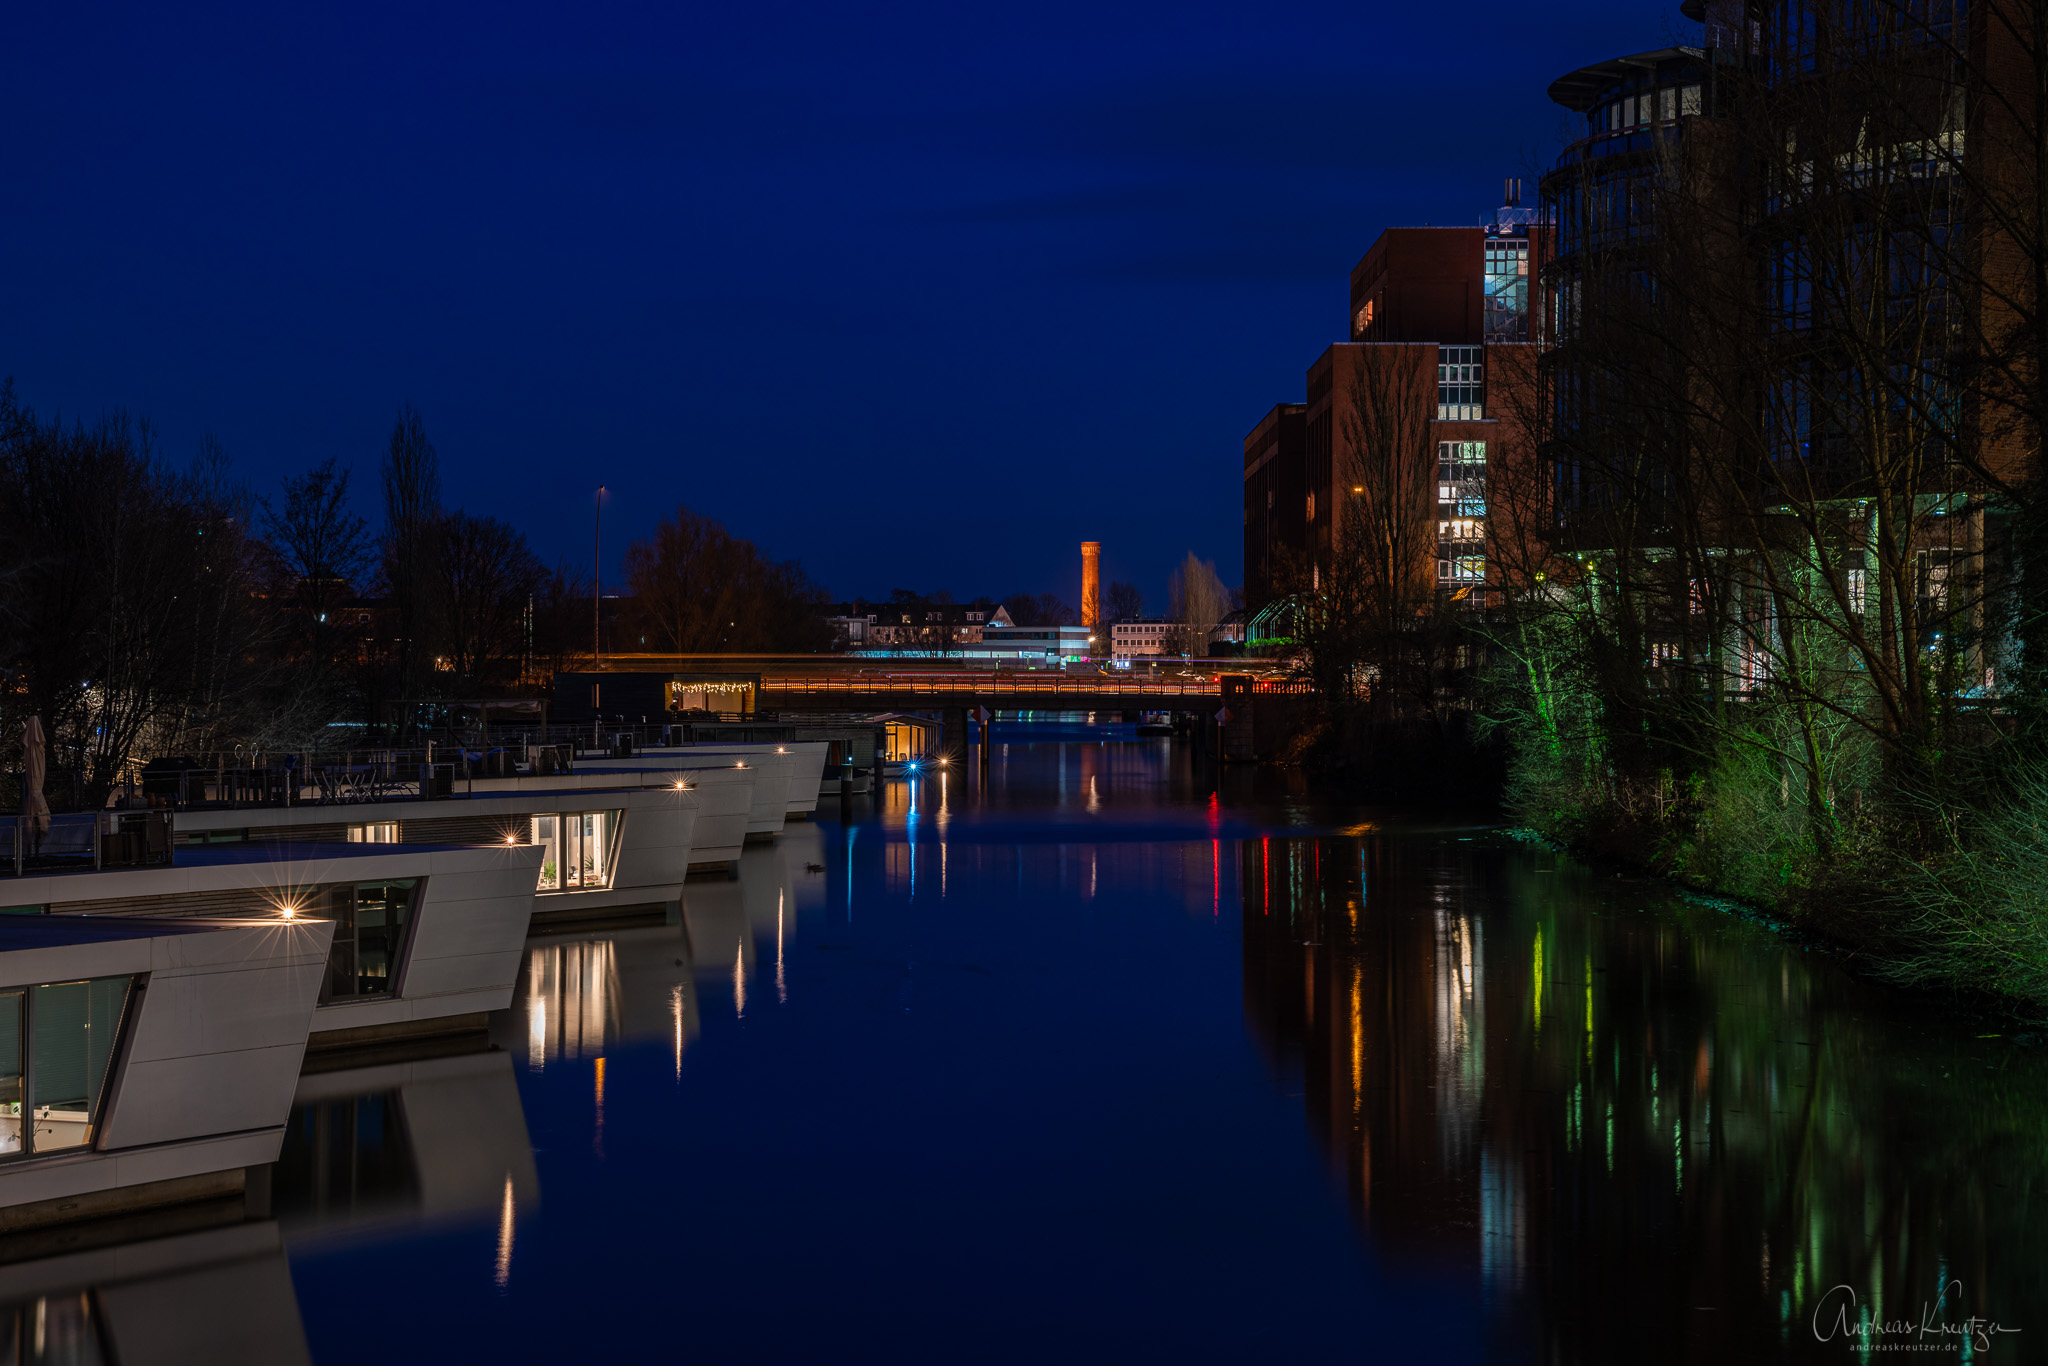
(921, 295)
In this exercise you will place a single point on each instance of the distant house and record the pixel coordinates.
(911, 625)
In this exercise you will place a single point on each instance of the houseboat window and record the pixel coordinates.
(376, 832)
(56, 1045)
(576, 849)
(13, 1081)
(370, 924)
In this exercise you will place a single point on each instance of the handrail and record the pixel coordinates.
(1021, 687)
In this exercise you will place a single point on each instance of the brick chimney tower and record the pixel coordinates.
(1091, 584)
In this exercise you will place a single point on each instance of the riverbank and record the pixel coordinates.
(1966, 925)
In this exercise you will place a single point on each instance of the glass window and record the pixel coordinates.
(376, 832)
(1689, 99)
(547, 833)
(12, 1076)
(576, 849)
(370, 924)
(76, 1024)
(1667, 104)
(57, 1045)
(1460, 384)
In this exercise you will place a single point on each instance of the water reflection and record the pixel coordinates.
(1651, 1131)
(221, 1295)
(373, 1149)
(742, 932)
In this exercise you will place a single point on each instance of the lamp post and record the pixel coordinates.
(597, 582)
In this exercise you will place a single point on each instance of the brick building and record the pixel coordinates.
(1431, 393)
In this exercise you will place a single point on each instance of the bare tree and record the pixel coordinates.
(1122, 602)
(487, 578)
(1040, 609)
(699, 589)
(412, 509)
(323, 550)
(1197, 603)
(129, 617)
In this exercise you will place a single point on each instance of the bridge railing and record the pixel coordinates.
(984, 686)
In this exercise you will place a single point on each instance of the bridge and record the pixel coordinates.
(924, 691)
(653, 686)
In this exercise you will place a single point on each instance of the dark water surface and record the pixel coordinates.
(1098, 1062)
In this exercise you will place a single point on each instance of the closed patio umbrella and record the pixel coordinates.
(35, 812)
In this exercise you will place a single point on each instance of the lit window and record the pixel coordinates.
(576, 850)
(375, 832)
(1460, 390)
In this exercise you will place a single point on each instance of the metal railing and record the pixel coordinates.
(1055, 685)
(85, 840)
(340, 778)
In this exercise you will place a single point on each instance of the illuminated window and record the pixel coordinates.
(576, 850)
(1507, 290)
(1460, 387)
(374, 832)
(905, 741)
(1461, 512)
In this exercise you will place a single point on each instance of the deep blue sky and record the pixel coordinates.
(922, 295)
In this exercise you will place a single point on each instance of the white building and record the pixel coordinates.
(1138, 639)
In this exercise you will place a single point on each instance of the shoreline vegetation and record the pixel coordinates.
(1937, 898)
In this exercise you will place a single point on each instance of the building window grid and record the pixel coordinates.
(1507, 289)
(1461, 513)
(1460, 384)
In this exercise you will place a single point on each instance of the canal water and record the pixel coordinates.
(1109, 1058)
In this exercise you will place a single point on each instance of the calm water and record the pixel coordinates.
(1098, 1062)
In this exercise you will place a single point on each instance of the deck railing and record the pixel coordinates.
(1052, 685)
(76, 841)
